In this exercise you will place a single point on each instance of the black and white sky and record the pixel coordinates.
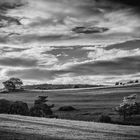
(70, 41)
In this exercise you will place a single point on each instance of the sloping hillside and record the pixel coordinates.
(54, 129)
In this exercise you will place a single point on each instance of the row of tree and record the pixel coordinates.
(39, 109)
(129, 82)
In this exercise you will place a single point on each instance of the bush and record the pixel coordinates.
(66, 108)
(4, 106)
(117, 83)
(126, 109)
(105, 119)
(41, 110)
(19, 107)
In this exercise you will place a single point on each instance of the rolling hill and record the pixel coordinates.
(33, 128)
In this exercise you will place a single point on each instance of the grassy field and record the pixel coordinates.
(14, 127)
(90, 103)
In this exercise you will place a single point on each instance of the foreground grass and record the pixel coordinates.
(10, 135)
(32, 128)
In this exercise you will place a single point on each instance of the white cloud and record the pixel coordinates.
(50, 22)
(102, 54)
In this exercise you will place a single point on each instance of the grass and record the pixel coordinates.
(9, 135)
(90, 103)
(29, 128)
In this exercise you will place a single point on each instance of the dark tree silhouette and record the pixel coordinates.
(19, 107)
(117, 83)
(40, 108)
(13, 84)
(129, 107)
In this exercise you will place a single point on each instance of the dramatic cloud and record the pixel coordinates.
(17, 62)
(135, 3)
(130, 45)
(35, 74)
(70, 41)
(120, 66)
(69, 54)
(89, 30)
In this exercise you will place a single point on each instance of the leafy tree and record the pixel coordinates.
(4, 106)
(40, 108)
(105, 119)
(9, 85)
(19, 107)
(13, 84)
(117, 83)
(130, 82)
(128, 108)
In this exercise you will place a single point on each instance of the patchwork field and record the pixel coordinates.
(90, 103)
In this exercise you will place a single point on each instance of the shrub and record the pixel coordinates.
(128, 109)
(105, 119)
(66, 108)
(40, 108)
(4, 106)
(117, 83)
(19, 107)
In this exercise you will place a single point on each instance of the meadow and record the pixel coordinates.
(90, 103)
(14, 127)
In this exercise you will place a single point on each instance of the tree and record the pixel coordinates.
(17, 82)
(13, 84)
(19, 107)
(129, 107)
(117, 83)
(9, 85)
(40, 108)
(5, 106)
(105, 119)
(130, 82)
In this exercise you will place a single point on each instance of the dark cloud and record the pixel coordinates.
(35, 74)
(89, 30)
(129, 45)
(43, 38)
(117, 67)
(69, 53)
(5, 5)
(6, 49)
(10, 4)
(17, 62)
(3, 39)
(47, 22)
(120, 66)
(6, 21)
(135, 3)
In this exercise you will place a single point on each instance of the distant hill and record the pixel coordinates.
(62, 86)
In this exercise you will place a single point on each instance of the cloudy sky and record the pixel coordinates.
(70, 41)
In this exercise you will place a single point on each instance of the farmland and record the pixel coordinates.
(80, 124)
(33, 128)
(90, 103)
